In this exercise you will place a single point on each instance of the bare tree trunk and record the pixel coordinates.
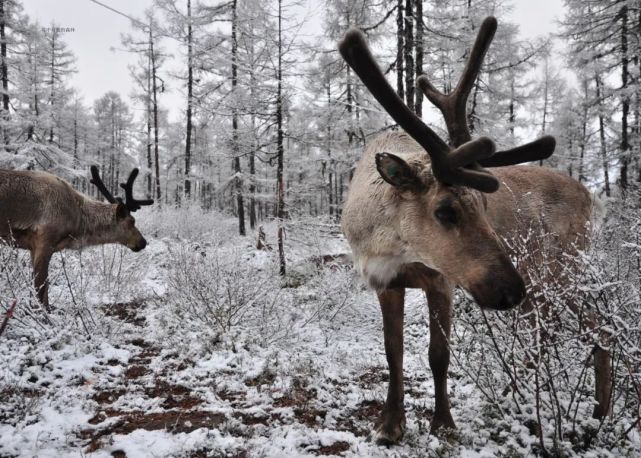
(546, 91)
(149, 160)
(190, 84)
(52, 81)
(154, 92)
(328, 143)
(584, 125)
(604, 157)
(399, 49)
(408, 54)
(472, 113)
(254, 145)
(235, 147)
(4, 74)
(76, 160)
(418, 106)
(625, 101)
(280, 186)
(512, 117)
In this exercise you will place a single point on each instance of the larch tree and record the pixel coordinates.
(59, 67)
(147, 86)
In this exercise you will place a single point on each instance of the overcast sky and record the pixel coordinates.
(97, 32)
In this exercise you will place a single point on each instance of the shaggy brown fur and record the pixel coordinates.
(398, 242)
(44, 214)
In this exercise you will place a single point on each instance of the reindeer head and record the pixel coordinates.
(440, 201)
(123, 228)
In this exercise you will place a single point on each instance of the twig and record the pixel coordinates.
(8, 314)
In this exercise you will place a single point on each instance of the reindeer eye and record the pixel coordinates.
(446, 215)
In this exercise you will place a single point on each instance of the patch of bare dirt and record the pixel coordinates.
(176, 396)
(360, 421)
(300, 399)
(126, 311)
(251, 419)
(234, 398)
(140, 342)
(138, 364)
(108, 396)
(266, 377)
(172, 421)
(136, 371)
(373, 376)
(337, 448)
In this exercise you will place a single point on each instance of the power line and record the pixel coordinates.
(133, 19)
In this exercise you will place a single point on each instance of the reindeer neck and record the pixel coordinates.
(96, 224)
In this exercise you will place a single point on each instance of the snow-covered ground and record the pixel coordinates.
(195, 347)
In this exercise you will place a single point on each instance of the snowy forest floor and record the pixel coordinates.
(196, 348)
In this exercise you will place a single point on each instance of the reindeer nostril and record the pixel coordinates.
(513, 297)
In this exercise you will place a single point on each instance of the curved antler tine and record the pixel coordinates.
(97, 181)
(471, 152)
(446, 169)
(356, 53)
(537, 150)
(481, 45)
(434, 95)
(479, 179)
(133, 204)
(453, 105)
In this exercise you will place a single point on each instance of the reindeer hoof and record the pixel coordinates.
(441, 422)
(391, 429)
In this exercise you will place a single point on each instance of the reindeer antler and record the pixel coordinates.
(96, 180)
(447, 165)
(133, 204)
(453, 106)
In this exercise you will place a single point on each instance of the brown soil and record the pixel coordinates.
(373, 376)
(359, 421)
(251, 419)
(108, 396)
(336, 448)
(126, 311)
(136, 371)
(172, 421)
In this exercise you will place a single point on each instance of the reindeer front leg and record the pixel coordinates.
(392, 421)
(439, 302)
(40, 258)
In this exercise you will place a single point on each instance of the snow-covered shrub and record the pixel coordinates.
(536, 363)
(106, 273)
(81, 282)
(216, 291)
(16, 283)
(329, 290)
(189, 222)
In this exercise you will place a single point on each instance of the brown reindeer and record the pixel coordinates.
(423, 214)
(44, 214)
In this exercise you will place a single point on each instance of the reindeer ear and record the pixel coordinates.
(398, 173)
(121, 211)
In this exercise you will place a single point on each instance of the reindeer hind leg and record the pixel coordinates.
(40, 259)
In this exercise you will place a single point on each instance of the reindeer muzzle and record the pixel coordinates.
(498, 295)
(512, 297)
(139, 246)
